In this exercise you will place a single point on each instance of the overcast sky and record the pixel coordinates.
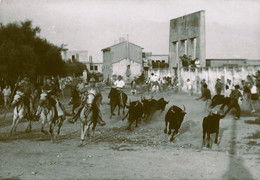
(232, 26)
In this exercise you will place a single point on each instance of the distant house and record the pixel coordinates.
(81, 56)
(94, 67)
(124, 58)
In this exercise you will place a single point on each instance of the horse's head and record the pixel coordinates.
(43, 97)
(17, 98)
(90, 98)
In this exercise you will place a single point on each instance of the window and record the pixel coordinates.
(91, 67)
(96, 68)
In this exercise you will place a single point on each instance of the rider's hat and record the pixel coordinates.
(92, 80)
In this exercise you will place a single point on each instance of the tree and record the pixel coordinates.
(23, 52)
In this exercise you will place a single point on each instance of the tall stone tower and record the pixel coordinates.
(187, 36)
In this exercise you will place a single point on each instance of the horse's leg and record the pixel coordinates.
(119, 110)
(60, 124)
(123, 109)
(93, 129)
(82, 126)
(20, 116)
(15, 117)
(125, 116)
(129, 125)
(52, 125)
(88, 127)
(43, 126)
(73, 109)
(112, 108)
(29, 127)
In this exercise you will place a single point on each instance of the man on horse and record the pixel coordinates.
(94, 90)
(120, 84)
(52, 91)
(26, 87)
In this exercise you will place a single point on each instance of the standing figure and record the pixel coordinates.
(189, 87)
(6, 93)
(133, 86)
(254, 97)
(218, 87)
(120, 84)
(234, 96)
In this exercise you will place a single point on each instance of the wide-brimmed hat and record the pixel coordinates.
(92, 80)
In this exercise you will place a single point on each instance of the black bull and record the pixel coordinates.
(150, 106)
(210, 125)
(220, 99)
(174, 118)
(134, 113)
(115, 100)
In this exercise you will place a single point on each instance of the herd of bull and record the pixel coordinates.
(137, 110)
(173, 118)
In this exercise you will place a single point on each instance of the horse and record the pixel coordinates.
(75, 99)
(20, 112)
(115, 100)
(49, 114)
(89, 115)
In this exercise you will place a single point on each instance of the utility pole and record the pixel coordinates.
(127, 46)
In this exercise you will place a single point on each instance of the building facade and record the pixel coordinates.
(230, 63)
(124, 58)
(187, 36)
(81, 56)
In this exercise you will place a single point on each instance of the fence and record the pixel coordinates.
(236, 75)
(209, 74)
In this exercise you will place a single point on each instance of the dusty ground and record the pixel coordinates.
(143, 153)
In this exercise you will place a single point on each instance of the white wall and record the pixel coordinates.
(119, 68)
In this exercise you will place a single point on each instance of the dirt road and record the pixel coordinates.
(143, 153)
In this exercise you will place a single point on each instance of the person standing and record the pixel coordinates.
(133, 86)
(218, 87)
(6, 93)
(254, 97)
(206, 96)
(189, 87)
(120, 84)
(227, 91)
(234, 96)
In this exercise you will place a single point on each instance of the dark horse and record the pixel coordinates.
(114, 96)
(75, 99)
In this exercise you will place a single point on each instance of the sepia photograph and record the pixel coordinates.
(129, 89)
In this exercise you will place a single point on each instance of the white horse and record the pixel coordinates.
(48, 114)
(19, 112)
(89, 115)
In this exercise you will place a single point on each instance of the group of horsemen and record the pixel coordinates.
(29, 93)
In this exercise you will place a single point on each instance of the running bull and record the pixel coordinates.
(150, 106)
(135, 113)
(210, 125)
(174, 118)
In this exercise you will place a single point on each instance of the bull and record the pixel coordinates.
(134, 113)
(174, 118)
(210, 125)
(220, 99)
(150, 106)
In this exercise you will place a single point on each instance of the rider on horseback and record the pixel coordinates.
(26, 88)
(52, 91)
(119, 84)
(91, 89)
